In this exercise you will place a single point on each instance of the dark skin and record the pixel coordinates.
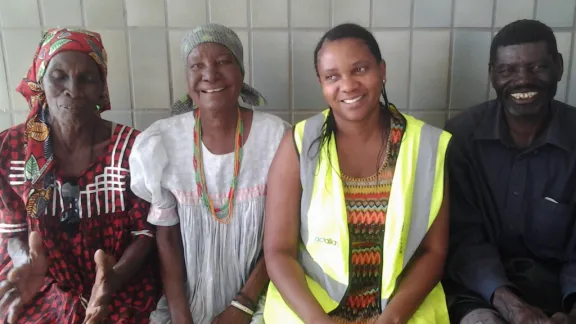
(214, 83)
(73, 87)
(526, 68)
(347, 70)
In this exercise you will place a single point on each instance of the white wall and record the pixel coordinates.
(436, 50)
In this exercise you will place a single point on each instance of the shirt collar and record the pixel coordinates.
(493, 127)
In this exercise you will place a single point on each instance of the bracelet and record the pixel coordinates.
(248, 300)
(242, 308)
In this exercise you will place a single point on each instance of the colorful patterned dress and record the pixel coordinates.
(111, 217)
(366, 204)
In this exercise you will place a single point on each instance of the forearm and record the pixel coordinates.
(18, 250)
(132, 260)
(290, 280)
(504, 301)
(478, 267)
(568, 285)
(573, 310)
(421, 277)
(172, 271)
(256, 283)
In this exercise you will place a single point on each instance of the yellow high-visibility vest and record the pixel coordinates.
(415, 199)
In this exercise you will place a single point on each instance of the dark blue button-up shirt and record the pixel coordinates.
(508, 202)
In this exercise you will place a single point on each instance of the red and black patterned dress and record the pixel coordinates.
(111, 217)
(367, 205)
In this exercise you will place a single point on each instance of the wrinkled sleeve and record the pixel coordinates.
(568, 285)
(12, 212)
(148, 161)
(474, 260)
(12, 209)
(139, 209)
(568, 275)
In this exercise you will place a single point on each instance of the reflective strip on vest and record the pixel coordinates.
(421, 198)
(308, 162)
(423, 189)
(422, 194)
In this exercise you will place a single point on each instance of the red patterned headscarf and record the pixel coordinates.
(39, 154)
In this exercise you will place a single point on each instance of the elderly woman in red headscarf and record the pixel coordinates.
(76, 246)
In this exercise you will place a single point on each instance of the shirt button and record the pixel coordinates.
(516, 193)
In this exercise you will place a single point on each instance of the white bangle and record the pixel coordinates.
(242, 308)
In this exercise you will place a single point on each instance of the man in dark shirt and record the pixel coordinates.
(512, 165)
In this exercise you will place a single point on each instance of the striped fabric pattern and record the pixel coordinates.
(367, 203)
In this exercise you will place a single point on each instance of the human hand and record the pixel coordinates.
(515, 310)
(104, 286)
(562, 318)
(527, 314)
(25, 280)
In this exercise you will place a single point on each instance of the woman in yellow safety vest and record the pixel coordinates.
(357, 207)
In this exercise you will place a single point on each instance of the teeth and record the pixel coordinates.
(214, 90)
(524, 95)
(352, 100)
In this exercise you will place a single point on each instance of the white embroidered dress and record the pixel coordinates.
(218, 257)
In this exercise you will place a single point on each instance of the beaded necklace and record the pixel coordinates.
(199, 168)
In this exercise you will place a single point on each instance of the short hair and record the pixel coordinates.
(522, 32)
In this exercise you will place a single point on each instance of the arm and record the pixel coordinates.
(425, 269)
(568, 277)
(117, 267)
(255, 285)
(568, 285)
(20, 282)
(24, 282)
(172, 270)
(111, 276)
(148, 161)
(131, 261)
(282, 233)
(13, 225)
(139, 250)
(248, 296)
(473, 260)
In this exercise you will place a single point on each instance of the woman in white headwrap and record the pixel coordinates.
(204, 171)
